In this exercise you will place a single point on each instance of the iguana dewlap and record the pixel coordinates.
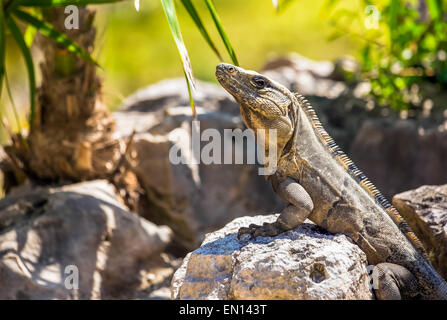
(318, 181)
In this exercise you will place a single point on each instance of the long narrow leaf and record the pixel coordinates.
(196, 18)
(191, 98)
(2, 46)
(392, 22)
(47, 30)
(171, 16)
(15, 31)
(31, 31)
(13, 105)
(220, 28)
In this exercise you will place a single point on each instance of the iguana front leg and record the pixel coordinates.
(299, 206)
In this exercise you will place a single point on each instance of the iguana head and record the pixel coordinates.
(264, 103)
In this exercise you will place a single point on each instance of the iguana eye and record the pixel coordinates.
(259, 82)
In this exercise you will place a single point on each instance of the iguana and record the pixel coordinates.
(318, 181)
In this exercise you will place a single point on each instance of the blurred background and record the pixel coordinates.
(135, 49)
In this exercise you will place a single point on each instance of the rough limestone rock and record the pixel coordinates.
(192, 199)
(47, 233)
(305, 263)
(425, 210)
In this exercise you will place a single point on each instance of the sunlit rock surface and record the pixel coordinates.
(305, 263)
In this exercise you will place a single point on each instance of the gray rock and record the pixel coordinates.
(44, 232)
(425, 210)
(305, 263)
(146, 108)
(192, 199)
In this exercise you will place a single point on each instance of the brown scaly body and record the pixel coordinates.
(318, 181)
(358, 175)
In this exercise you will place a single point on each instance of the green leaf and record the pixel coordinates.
(434, 8)
(2, 46)
(13, 105)
(61, 3)
(15, 31)
(171, 16)
(29, 35)
(283, 4)
(335, 35)
(220, 28)
(196, 18)
(47, 30)
(392, 21)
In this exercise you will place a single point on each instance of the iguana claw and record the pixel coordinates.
(250, 230)
(266, 230)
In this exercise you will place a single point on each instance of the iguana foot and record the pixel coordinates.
(299, 206)
(394, 282)
(266, 230)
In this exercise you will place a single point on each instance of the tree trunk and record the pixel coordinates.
(71, 135)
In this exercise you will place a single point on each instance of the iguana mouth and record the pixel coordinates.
(221, 72)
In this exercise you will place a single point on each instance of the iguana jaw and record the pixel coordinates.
(237, 82)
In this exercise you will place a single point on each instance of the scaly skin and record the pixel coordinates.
(317, 181)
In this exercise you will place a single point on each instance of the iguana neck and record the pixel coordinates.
(299, 118)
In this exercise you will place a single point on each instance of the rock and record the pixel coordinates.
(308, 77)
(425, 210)
(305, 263)
(146, 108)
(399, 155)
(192, 199)
(48, 235)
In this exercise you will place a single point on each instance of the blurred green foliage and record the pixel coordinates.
(28, 13)
(135, 48)
(404, 49)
